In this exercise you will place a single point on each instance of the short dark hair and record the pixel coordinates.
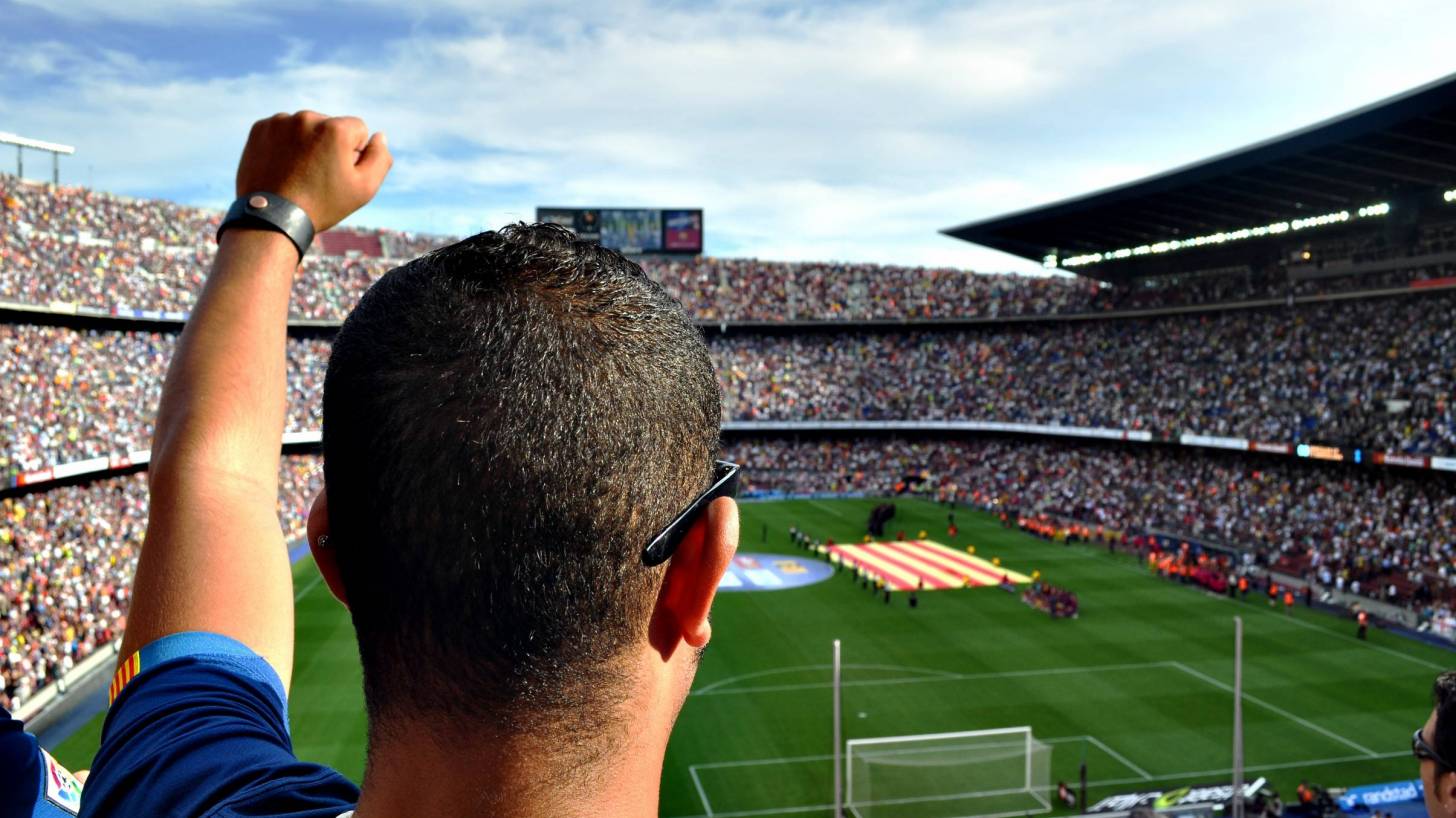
(1443, 694)
(507, 422)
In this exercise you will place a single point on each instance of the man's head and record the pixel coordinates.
(507, 422)
(1435, 745)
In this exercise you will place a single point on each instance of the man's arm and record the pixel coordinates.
(214, 558)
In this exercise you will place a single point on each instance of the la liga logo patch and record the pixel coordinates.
(61, 788)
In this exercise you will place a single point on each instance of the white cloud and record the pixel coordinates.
(823, 132)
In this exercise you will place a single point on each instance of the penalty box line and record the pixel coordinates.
(1277, 710)
(1114, 782)
(1143, 775)
(941, 676)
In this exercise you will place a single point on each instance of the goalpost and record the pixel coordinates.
(971, 774)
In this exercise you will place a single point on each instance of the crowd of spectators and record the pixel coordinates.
(74, 394)
(715, 289)
(1374, 373)
(66, 561)
(72, 244)
(1340, 373)
(81, 212)
(1382, 529)
(1371, 373)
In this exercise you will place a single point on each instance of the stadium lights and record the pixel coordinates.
(1049, 261)
(1378, 209)
(55, 149)
(1449, 195)
(22, 142)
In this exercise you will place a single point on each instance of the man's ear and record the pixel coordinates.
(324, 555)
(693, 573)
(1446, 793)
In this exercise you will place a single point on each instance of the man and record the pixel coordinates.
(1362, 623)
(1434, 746)
(32, 784)
(521, 511)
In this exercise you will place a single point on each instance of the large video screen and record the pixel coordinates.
(682, 231)
(585, 223)
(631, 230)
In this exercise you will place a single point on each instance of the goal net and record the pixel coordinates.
(975, 774)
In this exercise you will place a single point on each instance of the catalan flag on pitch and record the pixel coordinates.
(908, 565)
(128, 671)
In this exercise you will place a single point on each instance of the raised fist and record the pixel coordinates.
(329, 166)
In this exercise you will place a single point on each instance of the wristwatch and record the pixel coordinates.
(269, 211)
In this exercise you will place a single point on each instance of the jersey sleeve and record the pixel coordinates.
(198, 726)
(33, 784)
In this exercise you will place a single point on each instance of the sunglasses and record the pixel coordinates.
(725, 484)
(1425, 752)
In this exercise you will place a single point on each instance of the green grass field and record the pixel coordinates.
(1139, 685)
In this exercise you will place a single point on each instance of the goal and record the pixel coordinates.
(973, 774)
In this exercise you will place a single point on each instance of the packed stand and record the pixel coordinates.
(78, 246)
(716, 289)
(1324, 374)
(71, 244)
(82, 212)
(1373, 373)
(67, 557)
(42, 269)
(75, 394)
(1382, 529)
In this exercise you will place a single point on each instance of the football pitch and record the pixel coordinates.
(1139, 686)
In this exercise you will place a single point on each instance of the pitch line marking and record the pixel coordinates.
(317, 578)
(697, 782)
(1277, 710)
(947, 677)
(1348, 638)
(1147, 776)
(1286, 765)
(761, 673)
(763, 762)
(1291, 620)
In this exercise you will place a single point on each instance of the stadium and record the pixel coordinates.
(996, 529)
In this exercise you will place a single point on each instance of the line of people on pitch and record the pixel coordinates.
(863, 577)
(1217, 573)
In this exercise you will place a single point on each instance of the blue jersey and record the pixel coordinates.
(198, 727)
(32, 784)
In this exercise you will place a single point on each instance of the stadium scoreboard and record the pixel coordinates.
(632, 230)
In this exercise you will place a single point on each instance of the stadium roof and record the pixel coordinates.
(1400, 151)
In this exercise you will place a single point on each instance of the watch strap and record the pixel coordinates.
(261, 210)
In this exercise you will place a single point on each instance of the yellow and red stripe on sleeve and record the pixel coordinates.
(128, 671)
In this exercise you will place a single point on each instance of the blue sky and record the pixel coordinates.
(846, 131)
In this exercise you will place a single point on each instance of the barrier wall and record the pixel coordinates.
(99, 466)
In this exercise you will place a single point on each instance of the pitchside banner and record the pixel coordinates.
(1375, 796)
(1166, 801)
(640, 230)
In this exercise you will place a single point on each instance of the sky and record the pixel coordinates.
(806, 131)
